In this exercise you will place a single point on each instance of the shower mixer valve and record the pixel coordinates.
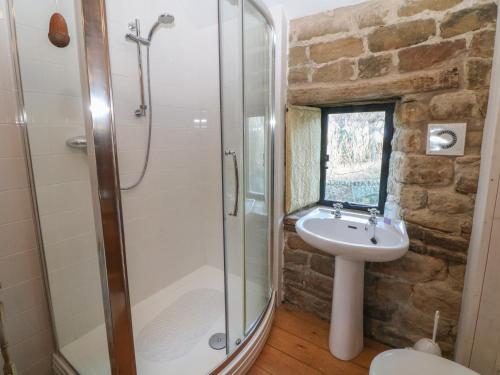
(141, 111)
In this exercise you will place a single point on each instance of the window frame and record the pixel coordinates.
(388, 108)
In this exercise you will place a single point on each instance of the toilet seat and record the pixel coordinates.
(412, 362)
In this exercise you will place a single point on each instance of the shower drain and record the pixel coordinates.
(217, 341)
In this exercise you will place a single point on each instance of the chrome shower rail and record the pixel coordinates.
(135, 26)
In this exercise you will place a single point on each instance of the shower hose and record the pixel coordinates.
(150, 127)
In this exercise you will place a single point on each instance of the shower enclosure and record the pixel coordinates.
(150, 158)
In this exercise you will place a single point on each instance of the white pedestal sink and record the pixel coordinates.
(349, 238)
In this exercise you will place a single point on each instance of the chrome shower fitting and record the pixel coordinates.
(135, 26)
(163, 19)
(135, 36)
(144, 109)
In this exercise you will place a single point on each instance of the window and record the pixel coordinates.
(355, 152)
(256, 157)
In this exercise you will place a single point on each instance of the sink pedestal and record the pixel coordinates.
(346, 329)
(352, 246)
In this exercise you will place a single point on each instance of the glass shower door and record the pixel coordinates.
(246, 70)
(257, 88)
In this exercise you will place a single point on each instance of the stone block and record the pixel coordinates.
(434, 220)
(412, 197)
(308, 302)
(331, 51)
(401, 35)
(417, 246)
(388, 86)
(417, 6)
(423, 170)
(445, 240)
(469, 19)
(294, 277)
(298, 75)
(294, 242)
(437, 295)
(482, 102)
(326, 23)
(467, 175)
(318, 285)
(456, 276)
(454, 106)
(426, 56)
(478, 73)
(415, 232)
(448, 255)
(407, 140)
(389, 333)
(412, 268)
(371, 18)
(412, 111)
(384, 296)
(323, 264)
(297, 56)
(450, 202)
(473, 139)
(482, 44)
(338, 71)
(466, 227)
(295, 258)
(374, 66)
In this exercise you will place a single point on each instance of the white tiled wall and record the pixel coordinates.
(173, 220)
(53, 104)
(26, 315)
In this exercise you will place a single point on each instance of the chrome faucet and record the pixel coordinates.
(373, 216)
(372, 222)
(337, 207)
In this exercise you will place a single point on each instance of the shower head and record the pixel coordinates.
(166, 19)
(163, 19)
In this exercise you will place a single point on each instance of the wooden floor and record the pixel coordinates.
(298, 344)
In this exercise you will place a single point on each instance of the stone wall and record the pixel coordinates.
(433, 58)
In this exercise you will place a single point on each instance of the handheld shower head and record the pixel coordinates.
(166, 19)
(163, 19)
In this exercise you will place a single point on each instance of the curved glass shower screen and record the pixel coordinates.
(246, 39)
(154, 209)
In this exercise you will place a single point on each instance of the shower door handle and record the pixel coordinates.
(237, 181)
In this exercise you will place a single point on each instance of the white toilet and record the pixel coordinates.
(412, 362)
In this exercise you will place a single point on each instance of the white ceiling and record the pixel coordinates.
(299, 8)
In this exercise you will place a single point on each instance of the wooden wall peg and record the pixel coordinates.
(58, 31)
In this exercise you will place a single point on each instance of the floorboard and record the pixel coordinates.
(298, 344)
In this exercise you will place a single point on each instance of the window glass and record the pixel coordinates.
(356, 155)
(256, 155)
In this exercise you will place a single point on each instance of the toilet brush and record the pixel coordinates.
(427, 345)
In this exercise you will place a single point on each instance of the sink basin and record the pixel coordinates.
(353, 241)
(350, 236)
